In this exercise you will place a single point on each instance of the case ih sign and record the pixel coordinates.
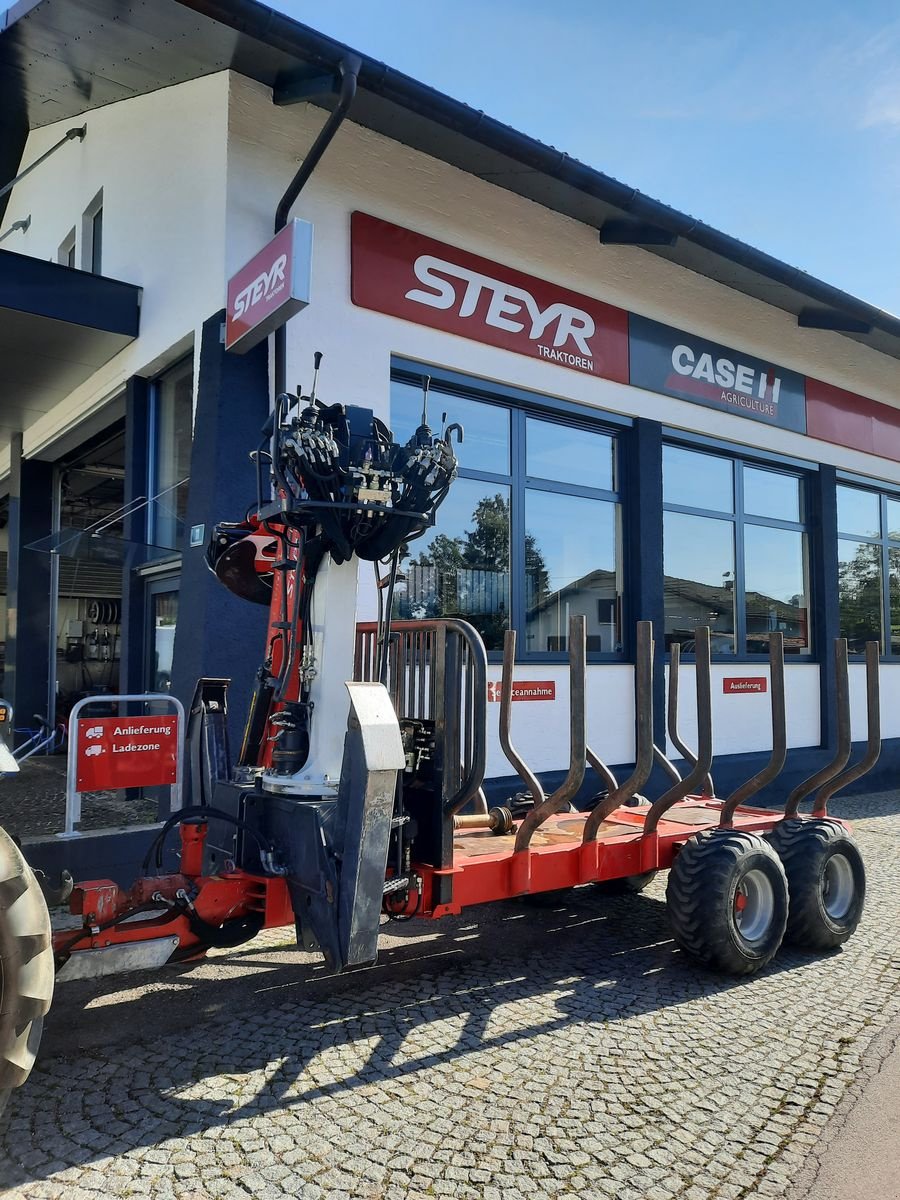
(679, 364)
(271, 288)
(123, 752)
(405, 274)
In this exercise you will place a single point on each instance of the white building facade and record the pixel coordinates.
(642, 439)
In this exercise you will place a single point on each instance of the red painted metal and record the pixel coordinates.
(193, 843)
(486, 868)
(842, 417)
(408, 275)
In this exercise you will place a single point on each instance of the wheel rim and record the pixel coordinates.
(754, 906)
(838, 886)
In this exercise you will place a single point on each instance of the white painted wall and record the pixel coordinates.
(889, 681)
(160, 161)
(742, 723)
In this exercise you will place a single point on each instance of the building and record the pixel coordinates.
(660, 421)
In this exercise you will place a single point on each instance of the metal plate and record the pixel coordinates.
(112, 960)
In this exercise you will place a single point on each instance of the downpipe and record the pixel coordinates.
(348, 70)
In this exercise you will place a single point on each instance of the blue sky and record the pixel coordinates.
(777, 123)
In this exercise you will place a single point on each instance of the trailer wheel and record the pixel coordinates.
(826, 879)
(26, 967)
(727, 900)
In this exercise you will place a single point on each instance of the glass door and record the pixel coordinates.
(162, 618)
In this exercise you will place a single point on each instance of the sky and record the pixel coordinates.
(778, 123)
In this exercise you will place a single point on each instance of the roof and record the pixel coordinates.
(61, 58)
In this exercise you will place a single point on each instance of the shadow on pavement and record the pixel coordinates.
(491, 978)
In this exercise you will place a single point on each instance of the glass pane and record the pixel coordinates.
(768, 494)
(699, 580)
(460, 567)
(775, 588)
(697, 480)
(858, 512)
(894, 571)
(97, 241)
(572, 455)
(486, 426)
(174, 424)
(893, 519)
(571, 568)
(164, 617)
(859, 593)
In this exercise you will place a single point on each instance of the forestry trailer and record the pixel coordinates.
(357, 792)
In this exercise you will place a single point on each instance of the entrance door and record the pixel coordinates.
(162, 614)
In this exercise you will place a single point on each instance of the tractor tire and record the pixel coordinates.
(826, 879)
(727, 900)
(26, 967)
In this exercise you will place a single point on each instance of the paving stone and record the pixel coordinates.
(591, 1060)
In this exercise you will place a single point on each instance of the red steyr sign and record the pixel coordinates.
(405, 274)
(524, 689)
(121, 752)
(732, 686)
(270, 288)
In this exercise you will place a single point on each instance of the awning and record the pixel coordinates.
(57, 327)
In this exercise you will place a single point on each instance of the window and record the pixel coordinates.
(92, 236)
(735, 553)
(869, 569)
(528, 536)
(171, 417)
(65, 255)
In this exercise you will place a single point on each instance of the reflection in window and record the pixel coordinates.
(699, 580)
(775, 588)
(571, 569)
(742, 569)
(771, 494)
(486, 426)
(460, 568)
(569, 454)
(173, 424)
(697, 480)
(529, 533)
(859, 593)
(858, 512)
(894, 580)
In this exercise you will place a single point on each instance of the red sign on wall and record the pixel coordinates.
(737, 687)
(270, 288)
(121, 752)
(405, 274)
(525, 689)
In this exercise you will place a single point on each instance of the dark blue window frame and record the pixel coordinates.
(886, 543)
(521, 405)
(739, 519)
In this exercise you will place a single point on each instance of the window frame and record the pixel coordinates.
(91, 260)
(739, 518)
(153, 438)
(68, 249)
(883, 493)
(522, 405)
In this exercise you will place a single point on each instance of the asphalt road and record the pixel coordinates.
(513, 1052)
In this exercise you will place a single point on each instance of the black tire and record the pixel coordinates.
(826, 880)
(26, 967)
(713, 873)
(628, 885)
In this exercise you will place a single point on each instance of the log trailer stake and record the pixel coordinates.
(358, 791)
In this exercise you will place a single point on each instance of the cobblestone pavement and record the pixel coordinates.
(519, 1052)
(33, 802)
